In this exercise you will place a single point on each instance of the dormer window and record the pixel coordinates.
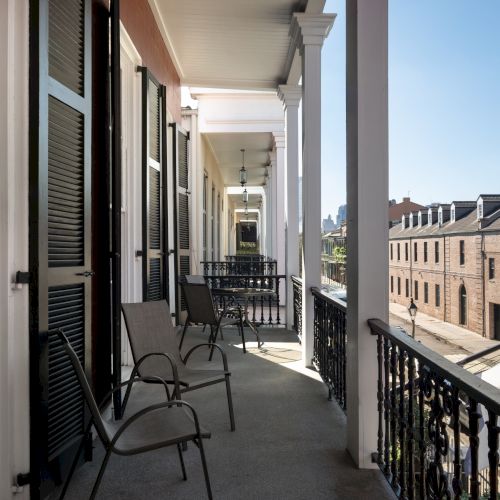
(480, 210)
(440, 217)
(419, 219)
(429, 217)
(403, 222)
(411, 221)
(452, 214)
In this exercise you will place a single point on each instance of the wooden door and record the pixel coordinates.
(60, 230)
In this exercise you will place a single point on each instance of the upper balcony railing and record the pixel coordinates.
(239, 267)
(438, 433)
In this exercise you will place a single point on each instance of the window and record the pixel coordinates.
(462, 252)
(436, 251)
(416, 290)
(425, 251)
(406, 252)
(399, 252)
(392, 284)
(399, 285)
(391, 251)
(480, 210)
(462, 297)
(415, 251)
(440, 217)
(452, 215)
(438, 295)
(426, 292)
(491, 268)
(407, 287)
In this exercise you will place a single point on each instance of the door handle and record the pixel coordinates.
(85, 274)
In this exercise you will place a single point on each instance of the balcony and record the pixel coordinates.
(290, 441)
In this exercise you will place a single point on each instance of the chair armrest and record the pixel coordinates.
(172, 364)
(218, 347)
(149, 409)
(128, 383)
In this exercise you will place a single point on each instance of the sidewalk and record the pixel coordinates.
(446, 332)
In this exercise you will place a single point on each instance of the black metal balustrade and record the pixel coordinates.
(239, 267)
(431, 413)
(330, 339)
(297, 305)
(246, 258)
(262, 311)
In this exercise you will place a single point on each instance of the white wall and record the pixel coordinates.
(14, 328)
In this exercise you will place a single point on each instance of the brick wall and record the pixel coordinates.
(139, 21)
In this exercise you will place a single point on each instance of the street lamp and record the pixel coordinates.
(412, 309)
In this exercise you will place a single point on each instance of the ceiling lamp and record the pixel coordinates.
(245, 196)
(243, 172)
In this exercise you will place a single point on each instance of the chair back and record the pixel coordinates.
(195, 279)
(99, 423)
(199, 302)
(150, 329)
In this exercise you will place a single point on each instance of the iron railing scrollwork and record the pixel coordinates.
(239, 267)
(329, 355)
(297, 305)
(264, 310)
(432, 417)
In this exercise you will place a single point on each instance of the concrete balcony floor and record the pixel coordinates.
(289, 441)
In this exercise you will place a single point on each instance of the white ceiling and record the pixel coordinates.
(226, 149)
(253, 200)
(240, 44)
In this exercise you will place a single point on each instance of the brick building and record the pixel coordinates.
(397, 210)
(444, 257)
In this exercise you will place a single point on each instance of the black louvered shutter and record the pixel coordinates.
(60, 229)
(154, 187)
(183, 257)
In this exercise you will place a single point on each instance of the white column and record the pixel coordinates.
(291, 96)
(274, 203)
(310, 31)
(280, 247)
(367, 226)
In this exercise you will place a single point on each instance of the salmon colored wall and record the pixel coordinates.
(139, 21)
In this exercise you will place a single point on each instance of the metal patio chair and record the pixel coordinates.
(156, 352)
(151, 428)
(201, 310)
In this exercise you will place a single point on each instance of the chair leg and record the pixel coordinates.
(243, 336)
(183, 333)
(75, 461)
(181, 458)
(230, 403)
(205, 469)
(101, 473)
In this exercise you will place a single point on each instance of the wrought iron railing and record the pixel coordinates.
(330, 339)
(265, 310)
(297, 305)
(247, 258)
(239, 267)
(438, 434)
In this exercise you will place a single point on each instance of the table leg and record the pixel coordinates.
(251, 325)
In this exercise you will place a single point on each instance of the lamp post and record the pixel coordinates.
(412, 309)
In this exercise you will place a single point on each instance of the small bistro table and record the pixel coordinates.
(246, 294)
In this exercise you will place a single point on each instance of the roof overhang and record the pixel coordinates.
(237, 44)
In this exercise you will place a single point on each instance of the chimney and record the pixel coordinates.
(406, 199)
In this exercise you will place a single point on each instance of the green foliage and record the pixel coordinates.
(339, 254)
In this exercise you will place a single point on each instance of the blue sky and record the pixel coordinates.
(444, 101)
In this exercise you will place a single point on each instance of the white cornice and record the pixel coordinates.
(164, 33)
(290, 95)
(310, 29)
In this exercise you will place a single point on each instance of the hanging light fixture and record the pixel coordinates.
(245, 196)
(243, 171)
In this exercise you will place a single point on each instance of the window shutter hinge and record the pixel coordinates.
(23, 278)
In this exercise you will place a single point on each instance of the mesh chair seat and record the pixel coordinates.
(156, 352)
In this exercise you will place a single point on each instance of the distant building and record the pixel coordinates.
(397, 210)
(445, 257)
(341, 215)
(328, 224)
